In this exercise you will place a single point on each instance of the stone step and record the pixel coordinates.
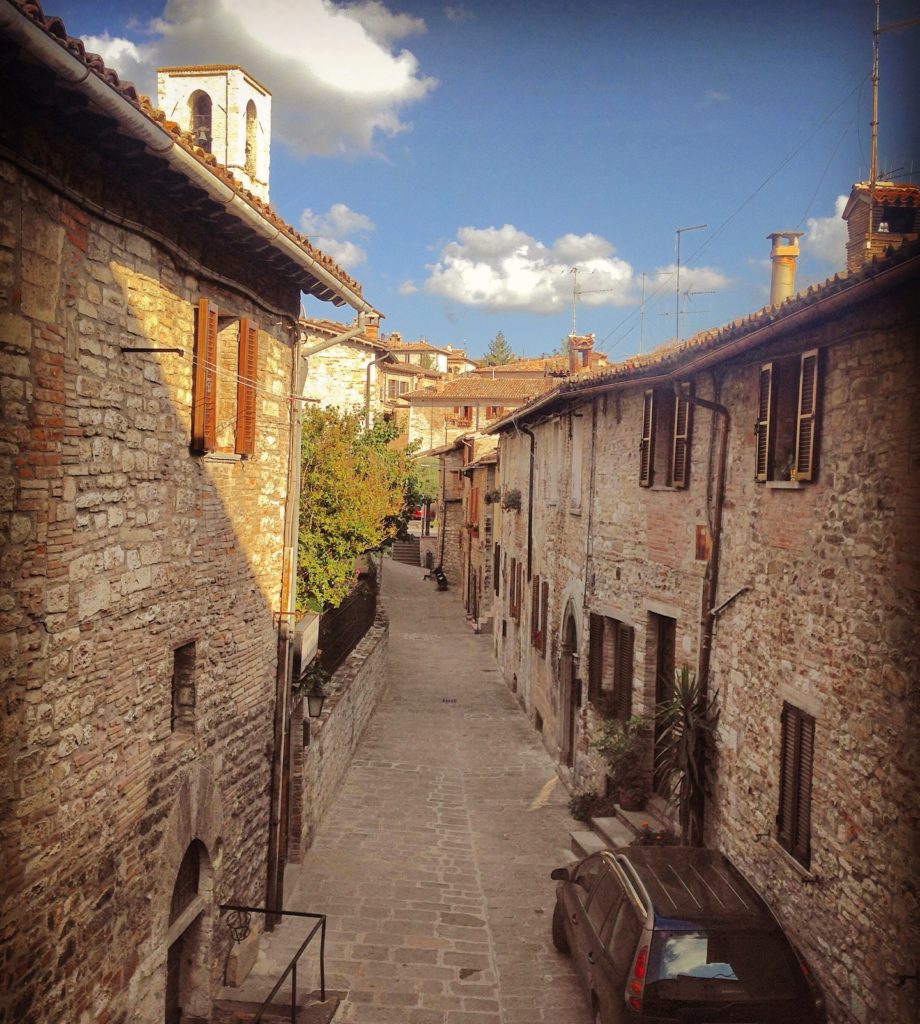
(638, 821)
(407, 551)
(312, 1011)
(585, 842)
(613, 831)
(567, 857)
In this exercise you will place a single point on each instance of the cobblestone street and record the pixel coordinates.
(433, 862)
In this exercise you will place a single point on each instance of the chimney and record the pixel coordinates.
(371, 326)
(783, 254)
(573, 354)
(583, 343)
(880, 220)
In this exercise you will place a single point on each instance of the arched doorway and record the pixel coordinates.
(569, 707)
(199, 104)
(188, 938)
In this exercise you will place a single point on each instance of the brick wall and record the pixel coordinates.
(119, 546)
(355, 690)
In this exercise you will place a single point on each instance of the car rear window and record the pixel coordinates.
(718, 966)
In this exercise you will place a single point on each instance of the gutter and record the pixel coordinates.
(132, 121)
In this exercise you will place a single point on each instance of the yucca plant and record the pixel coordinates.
(686, 743)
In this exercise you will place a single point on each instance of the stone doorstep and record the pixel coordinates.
(230, 1011)
(586, 842)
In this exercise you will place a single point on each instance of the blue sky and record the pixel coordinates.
(460, 158)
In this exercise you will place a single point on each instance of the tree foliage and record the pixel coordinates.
(356, 493)
(499, 352)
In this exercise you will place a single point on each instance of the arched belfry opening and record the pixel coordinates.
(189, 938)
(252, 128)
(199, 105)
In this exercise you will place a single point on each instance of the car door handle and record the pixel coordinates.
(590, 957)
(575, 919)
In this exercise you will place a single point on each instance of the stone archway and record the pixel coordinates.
(188, 961)
(568, 663)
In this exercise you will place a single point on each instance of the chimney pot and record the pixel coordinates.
(783, 256)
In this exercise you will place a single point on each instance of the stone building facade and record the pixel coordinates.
(747, 504)
(482, 506)
(347, 374)
(149, 385)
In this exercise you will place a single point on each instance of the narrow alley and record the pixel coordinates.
(433, 862)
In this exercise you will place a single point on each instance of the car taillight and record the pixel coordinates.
(636, 983)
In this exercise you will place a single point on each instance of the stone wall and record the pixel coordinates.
(824, 613)
(338, 377)
(355, 690)
(120, 548)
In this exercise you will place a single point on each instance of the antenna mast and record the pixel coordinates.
(679, 232)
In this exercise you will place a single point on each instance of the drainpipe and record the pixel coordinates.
(533, 445)
(367, 389)
(715, 504)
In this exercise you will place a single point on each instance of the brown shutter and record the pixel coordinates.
(796, 767)
(512, 585)
(595, 656)
(544, 617)
(680, 449)
(204, 400)
(623, 671)
(535, 611)
(764, 426)
(647, 444)
(497, 567)
(248, 373)
(807, 425)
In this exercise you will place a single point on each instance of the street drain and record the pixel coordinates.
(448, 700)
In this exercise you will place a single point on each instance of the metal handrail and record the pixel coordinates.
(292, 966)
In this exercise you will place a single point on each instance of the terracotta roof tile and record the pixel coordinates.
(471, 386)
(547, 364)
(55, 28)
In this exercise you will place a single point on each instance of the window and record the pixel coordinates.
(539, 609)
(496, 567)
(664, 448)
(788, 412)
(516, 591)
(610, 666)
(472, 508)
(182, 717)
(494, 411)
(252, 127)
(199, 104)
(793, 823)
(225, 375)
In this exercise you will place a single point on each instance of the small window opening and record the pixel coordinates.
(200, 110)
(183, 689)
(252, 127)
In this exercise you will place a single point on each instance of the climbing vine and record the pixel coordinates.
(357, 492)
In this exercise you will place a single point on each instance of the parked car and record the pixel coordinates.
(665, 934)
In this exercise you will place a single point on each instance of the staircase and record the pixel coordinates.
(408, 551)
(229, 1011)
(620, 830)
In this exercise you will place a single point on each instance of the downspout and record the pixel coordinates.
(715, 505)
(367, 388)
(533, 445)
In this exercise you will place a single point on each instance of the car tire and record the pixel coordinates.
(560, 941)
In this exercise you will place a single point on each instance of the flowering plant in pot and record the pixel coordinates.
(623, 747)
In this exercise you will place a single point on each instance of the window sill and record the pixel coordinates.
(222, 457)
(790, 861)
(784, 485)
(665, 487)
(575, 511)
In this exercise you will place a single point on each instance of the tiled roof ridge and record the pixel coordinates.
(55, 28)
(711, 337)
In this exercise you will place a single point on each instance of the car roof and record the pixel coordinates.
(691, 884)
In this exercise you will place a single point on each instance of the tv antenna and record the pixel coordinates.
(679, 232)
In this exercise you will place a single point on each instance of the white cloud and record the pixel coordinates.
(507, 269)
(408, 288)
(337, 83)
(826, 237)
(713, 96)
(694, 279)
(331, 230)
(381, 24)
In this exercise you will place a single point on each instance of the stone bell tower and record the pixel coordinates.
(229, 114)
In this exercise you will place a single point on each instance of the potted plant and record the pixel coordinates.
(511, 502)
(623, 747)
(685, 748)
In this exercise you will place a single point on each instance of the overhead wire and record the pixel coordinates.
(669, 275)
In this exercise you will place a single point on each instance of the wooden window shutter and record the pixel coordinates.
(248, 373)
(623, 670)
(647, 444)
(796, 768)
(764, 425)
(806, 434)
(544, 617)
(511, 586)
(595, 656)
(204, 383)
(535, 611)
(680, 448)
(497, 567)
